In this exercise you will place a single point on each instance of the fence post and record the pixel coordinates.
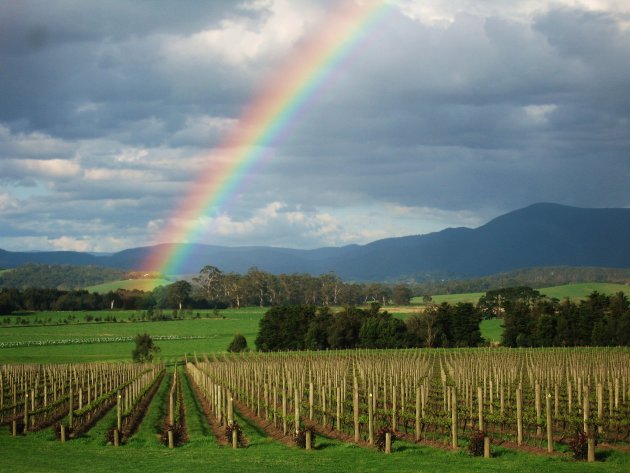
(519, 417)
(549, 424)
(417, 414)
(355, 408)
(370, 420)
(453, 419)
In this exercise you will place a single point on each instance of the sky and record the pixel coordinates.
(445, 114)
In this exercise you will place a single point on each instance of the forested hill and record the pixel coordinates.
(540, 235)
(55, 276)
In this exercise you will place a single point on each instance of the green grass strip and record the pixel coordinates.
(148, 433)
(199, 432)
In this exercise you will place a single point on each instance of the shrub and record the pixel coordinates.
(144, 348)
(299, 437)
(238, 344)
(379, 439)
(475, 445)
(240, 438)
(579, 445)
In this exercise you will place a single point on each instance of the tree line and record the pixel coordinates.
(532, 277)
(599, 320)
(212, 289)
(58, 276)
(311, 328)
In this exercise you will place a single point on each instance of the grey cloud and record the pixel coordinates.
(484, 115)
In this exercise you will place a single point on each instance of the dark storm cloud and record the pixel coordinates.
(110, 109)
(484, 113)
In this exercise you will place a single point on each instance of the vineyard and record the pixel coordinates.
(566, 403)
(531, 399)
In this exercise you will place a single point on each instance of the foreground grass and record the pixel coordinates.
(39, 453)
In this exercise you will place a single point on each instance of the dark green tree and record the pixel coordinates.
(422, 329)
(238, 344)
(284, 328)
(401, 295)
(316, 337)
(343, 331)
(145, 348)
(178, 294)
(465, 323)
(518, 325)
(381, 330)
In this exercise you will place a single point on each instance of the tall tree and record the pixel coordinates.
(209, 281)
(178, 293)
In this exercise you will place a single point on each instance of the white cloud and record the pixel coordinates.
(31, 145)
(100, 174)
(443, 12)
(241, 40)
(539, 114)
(71, 243)
(7, 202)
(49, 168)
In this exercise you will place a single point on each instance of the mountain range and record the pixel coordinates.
(539, 235)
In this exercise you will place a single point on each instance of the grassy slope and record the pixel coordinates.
(492, 329)
(572, 291)
(581, 291)
(221, 331)
(129, 284)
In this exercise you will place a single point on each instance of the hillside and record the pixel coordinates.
(540, 235)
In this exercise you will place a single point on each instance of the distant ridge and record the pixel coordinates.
(536, 236)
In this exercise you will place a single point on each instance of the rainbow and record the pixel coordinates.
(262, 126)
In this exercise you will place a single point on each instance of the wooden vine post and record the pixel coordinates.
(355, 409)
(230, 409)
(370, 420)
(453, 420)
(25, 412)
(284, 410)
(549, 424)
(590, 437)
(119, 411)
(296, 403)
(519, 417)
(417, 414)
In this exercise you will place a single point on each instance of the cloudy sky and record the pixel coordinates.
(447, 113)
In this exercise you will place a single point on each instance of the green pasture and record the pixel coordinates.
(571, 291)
(129, 284)
(218, 332)
(39, 452)
(492, 329)
(582, 291)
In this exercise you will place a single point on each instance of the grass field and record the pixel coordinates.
(129, 284)
(581, 291)
(218, 330)
(217, 333)
(39, 452)
(571, 291)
